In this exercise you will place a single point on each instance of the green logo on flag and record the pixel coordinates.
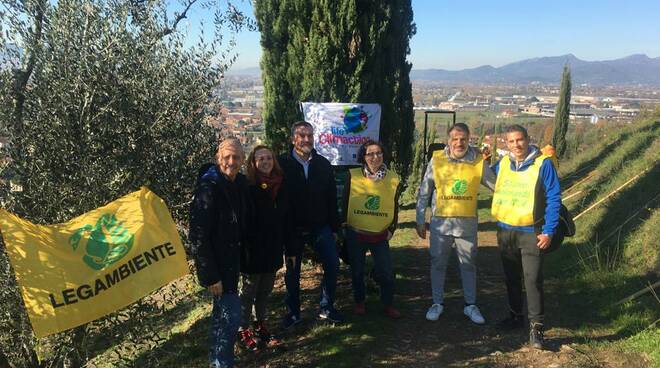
(108, 241)
(459, 187)
(372, 202)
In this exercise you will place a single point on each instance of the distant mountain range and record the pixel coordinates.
(631, 70)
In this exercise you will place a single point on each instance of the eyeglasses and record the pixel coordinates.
(374, 154)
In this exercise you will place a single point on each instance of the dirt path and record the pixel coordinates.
(454, 340)
(413, 341)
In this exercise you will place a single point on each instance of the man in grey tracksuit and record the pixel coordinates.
(453, 231)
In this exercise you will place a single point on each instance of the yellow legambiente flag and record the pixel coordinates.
(75, 272)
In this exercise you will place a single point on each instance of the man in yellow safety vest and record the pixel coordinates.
(526, 205)
(452, 180)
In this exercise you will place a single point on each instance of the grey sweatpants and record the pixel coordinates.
(466, 249)
(254, 292)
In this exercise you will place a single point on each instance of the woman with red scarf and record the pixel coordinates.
(262, 254)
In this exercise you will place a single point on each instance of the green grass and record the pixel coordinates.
(615, 252)
(642, 252)
(476, 116)
(608, 139)
(596, 227)
(646, 342)
(153, 324)
(484, 196)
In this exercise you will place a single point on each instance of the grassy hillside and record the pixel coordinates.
(615, 252)
(625, 169)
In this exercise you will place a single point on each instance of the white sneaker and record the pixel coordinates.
(472, 312)
(434, 312)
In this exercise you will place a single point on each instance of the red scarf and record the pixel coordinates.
(271, 184)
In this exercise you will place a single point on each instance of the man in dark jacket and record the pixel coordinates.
(218, 223)
(314, 217)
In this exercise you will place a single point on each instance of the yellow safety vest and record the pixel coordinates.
(513, 200)
(371, 203)
(456, 185)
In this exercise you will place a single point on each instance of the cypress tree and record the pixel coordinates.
(562, 113)
(338, 51)
(283, 41)
(380, 45)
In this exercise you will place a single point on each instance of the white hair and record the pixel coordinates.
(230, 142)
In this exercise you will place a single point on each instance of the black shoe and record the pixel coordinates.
(290, 320)
(331, 315)
(536, 335)
(513, 322)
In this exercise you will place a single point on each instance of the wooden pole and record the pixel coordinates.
(628, 219)
(639, 293)
(611, 194)
(591, 174)
(572, 195)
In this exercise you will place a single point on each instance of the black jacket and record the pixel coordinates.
(264, 249)
(219, 215)
(313, 201)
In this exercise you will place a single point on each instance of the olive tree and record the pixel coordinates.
(98, 98)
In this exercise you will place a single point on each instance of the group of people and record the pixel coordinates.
(244, 227)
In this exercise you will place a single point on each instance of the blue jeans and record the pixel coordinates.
(380, 252)
(225, 320)
(323, 243)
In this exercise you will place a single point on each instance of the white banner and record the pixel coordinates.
(340, 128)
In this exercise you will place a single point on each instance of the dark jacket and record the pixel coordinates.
(219, 215)
(313, 201)
(264, 249)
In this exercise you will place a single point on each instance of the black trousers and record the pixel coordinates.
(523, 262)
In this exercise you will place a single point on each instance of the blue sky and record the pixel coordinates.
(465, 34)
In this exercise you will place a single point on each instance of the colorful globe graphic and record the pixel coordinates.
(355, 119)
